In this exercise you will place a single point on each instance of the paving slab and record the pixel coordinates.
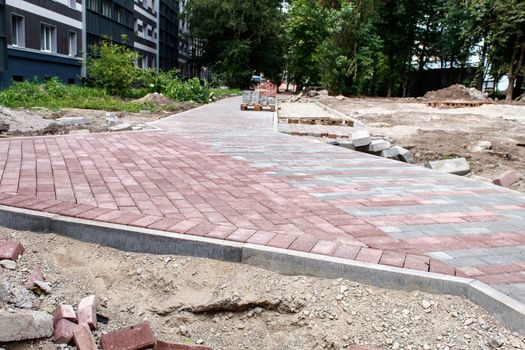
(220, 173)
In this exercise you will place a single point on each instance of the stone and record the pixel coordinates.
(64, 331)
(36, 275)
(135, 337)
(426, 304)
(497, 342)
(507, 179)
(5, 292)
(10, 250)
(64, 312)
(24, 325)
(70, 121)
(405, 155)
(121, 127)
(361, 138)
(83, 338)
(378, 145)
(22, 298)
(480, 146)
(160, 345)
(456, 166)
(8, 264)
(389, 153)
(87, 311)
(43, 286)
(340, 98)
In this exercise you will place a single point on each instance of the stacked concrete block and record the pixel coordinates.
(246, 96)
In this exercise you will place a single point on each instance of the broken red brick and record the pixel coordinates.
(10, 250)
(83, 338)
(64, 331)
(36, 275)
(160, 345)
(64, 312)
(135, 337)
(87, 311)
(507, 179)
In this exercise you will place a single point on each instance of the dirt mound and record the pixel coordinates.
(455, 92)
(156, 98)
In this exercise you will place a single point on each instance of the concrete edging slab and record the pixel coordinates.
(135, 239)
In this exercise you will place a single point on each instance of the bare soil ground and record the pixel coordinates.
(233, 306)
(40, 121)
(435, 134)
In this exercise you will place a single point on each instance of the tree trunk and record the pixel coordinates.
(514, 69)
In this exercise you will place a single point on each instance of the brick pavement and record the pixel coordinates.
(222, 173)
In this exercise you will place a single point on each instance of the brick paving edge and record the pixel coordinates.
(133, 239)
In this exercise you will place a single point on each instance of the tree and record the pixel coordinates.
(305, 29)
(350, 49)
(239, 37)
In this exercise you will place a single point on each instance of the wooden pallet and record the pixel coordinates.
(257, 107)
(456, 104)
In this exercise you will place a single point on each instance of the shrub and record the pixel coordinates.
(190, 90)
(111, 66)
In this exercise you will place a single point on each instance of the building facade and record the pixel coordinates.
(44, 38)
(41, 39)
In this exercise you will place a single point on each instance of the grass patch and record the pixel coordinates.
(54, 95)
(226, 92)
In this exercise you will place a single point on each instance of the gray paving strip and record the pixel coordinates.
(508, 310)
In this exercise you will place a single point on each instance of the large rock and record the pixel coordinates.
(456, 166)
(24, 325)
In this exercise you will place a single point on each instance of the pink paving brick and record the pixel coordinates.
(241, 235)
(437, 266)
(221, 231)
(145, 221)
(347, 251)
(282, 240)
(261, 237)
(183, 226)
(303, 243)
(417, 262)
(395, 259)
(369, 255)
(324, 247)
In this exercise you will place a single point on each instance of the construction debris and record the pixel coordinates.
(456, 92)
(456, 166)
(24, 324)
(507, 179)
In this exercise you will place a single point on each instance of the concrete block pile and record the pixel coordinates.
(362, 141)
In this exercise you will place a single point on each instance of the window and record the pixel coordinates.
(106, 8)
(18, 31)
(73, 3)
(47, 38)
(72, 40)
(119, 14)
(94, 5)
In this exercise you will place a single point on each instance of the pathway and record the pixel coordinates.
(222, 173)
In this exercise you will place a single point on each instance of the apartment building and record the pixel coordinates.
(40, 38)
(46, 38)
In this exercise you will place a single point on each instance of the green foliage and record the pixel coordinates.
(239, 38)
(54, 95)
(190, 90)
(306, 27)
(111, 66)
(351, 48)
(226, 92)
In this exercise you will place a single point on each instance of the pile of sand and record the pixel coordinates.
(156, 98)
(455, 92)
